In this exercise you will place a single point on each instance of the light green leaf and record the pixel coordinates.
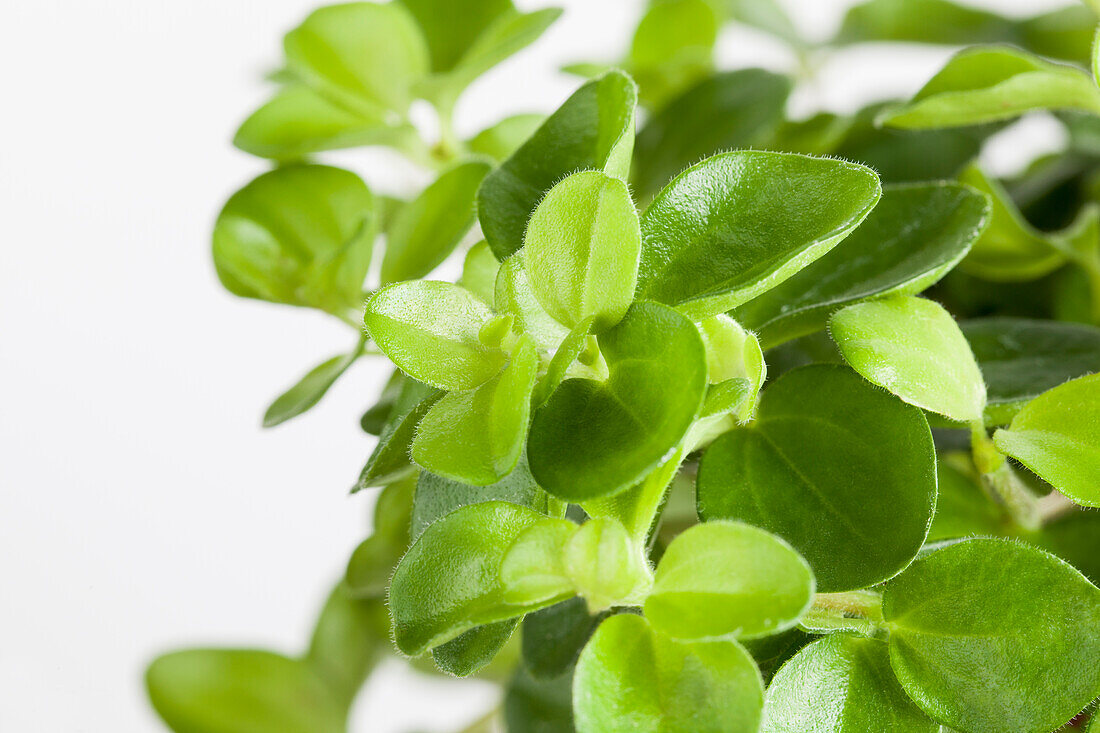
(914, 236)
(812, 469)
(593, 129)
(448, 582)
(672, 47)
(977, 647)
(365, 56)
(581, 250)
(430, 330)
(389, 461)
(913, 348)
(732, 352)
(841, 684)
(309, 390)
(577, 355)
(606, 567)
(593, 439)
(234, 690)
(1057, 435)
(532, 570)
(922, 21)
(300, 235)
(1021, 358)
(351, 636)
(371, 564)
(451, 28)
(1009, 249)
(515, 296)
(727, 578)
(735, 109)
(428, 229)
(766, 15)
(479, 272)
(298, 121)
(737, 224)
(633, 679)
(987, 84)
(499, 141)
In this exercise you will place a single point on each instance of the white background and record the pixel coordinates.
(141, 505)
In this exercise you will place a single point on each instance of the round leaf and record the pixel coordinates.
(606, 568)
(727, 578)
(990, 635)
(838, 468)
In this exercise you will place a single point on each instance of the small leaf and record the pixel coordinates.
(593, 129)
(581, 250)
(553, 637)
(450, 29)
(430, 330)
(727, 578)
(631, 678)
(237, 689)
(914, 236)
(732, 352)
(448, 582)
(478, 436)
(922, 21)
(737, 224)
(501, 140)
(841, 684)
(593, 439)
(515, 296)
(351, 636)
(672, 47)
(374, 419)
(765, 15)
(362, 55)
(300, 235)
(430, 226)
(735, 109)
(310, 389)
(532, 569)
(479, 272)
(389, 461)
(473, 649)
(987, 84)
(913, 348)
(811, 469)
(975, 646)
(1057, 435)
(606, 568)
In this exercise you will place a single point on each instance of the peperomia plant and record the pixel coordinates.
(747, 423)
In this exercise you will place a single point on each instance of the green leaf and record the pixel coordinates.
(606, 567)
(593, 439)
(515, 296)
(233, 690)
(633, 678)
(389, 461)
(351, 636)
(816, 135)
(841, 684)
(963, 508)
(300, 235)
(437, 496)
(922, 21)
(298, 121)
(727, 578)
(448, 582)
(473, 649)
(499, 141)
(812, 468)
(913, 348)
(428, 229)
(765, 15)
(732, 352)
(593, 129)
(914, 236)
(772, 652)
(1057, 435)
(374, 419)
(737, 224)
(365, 56)
(539, 705)
(581, 250)
(736, 109)
(479, 272)
(532, 570)
(978, 648)
(1009, 249)
(450, 29)
(1021, 358)
(672, 47)
(372, 563)
(1074, 537)
(987, 84)
(430, 330)
(309, 390)
(478, 436)
(553, 637)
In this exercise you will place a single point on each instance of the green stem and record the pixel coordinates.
(859, 611)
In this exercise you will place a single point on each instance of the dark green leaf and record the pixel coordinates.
(311, 388)
(539, 705)
(472, 650)
(553, 637)
(389, 461)
(1075, 538)
(963, 508)
(371, 564)
(374, 420)
(451, 28)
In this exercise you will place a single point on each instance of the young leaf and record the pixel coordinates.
(311, 388)
(913, 348)
(593, 129)
(727, 578)
(553, 637)
(351, 636)
(581, 250)
(1057, 435)
(430, 330)
(499, 141)
(224, 690)
(672, 47)
(735, 109)
(448, 582)
(363, 55)
(300, 235)
(593, 439)
(733, 355)
(298, 121)
(515, 296)
(914, 236)
(841, 684)
(606, 568)
(1009, 249)
(976, 646)
(479, 272)
(987, 84)
(532, 569)
(1022, 358)
(389, 461)
(812, 470)
(737, 224)
(372, 563)
(429, 228)
(477, 436)
(633, 679)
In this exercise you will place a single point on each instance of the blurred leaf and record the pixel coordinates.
(501, 140)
